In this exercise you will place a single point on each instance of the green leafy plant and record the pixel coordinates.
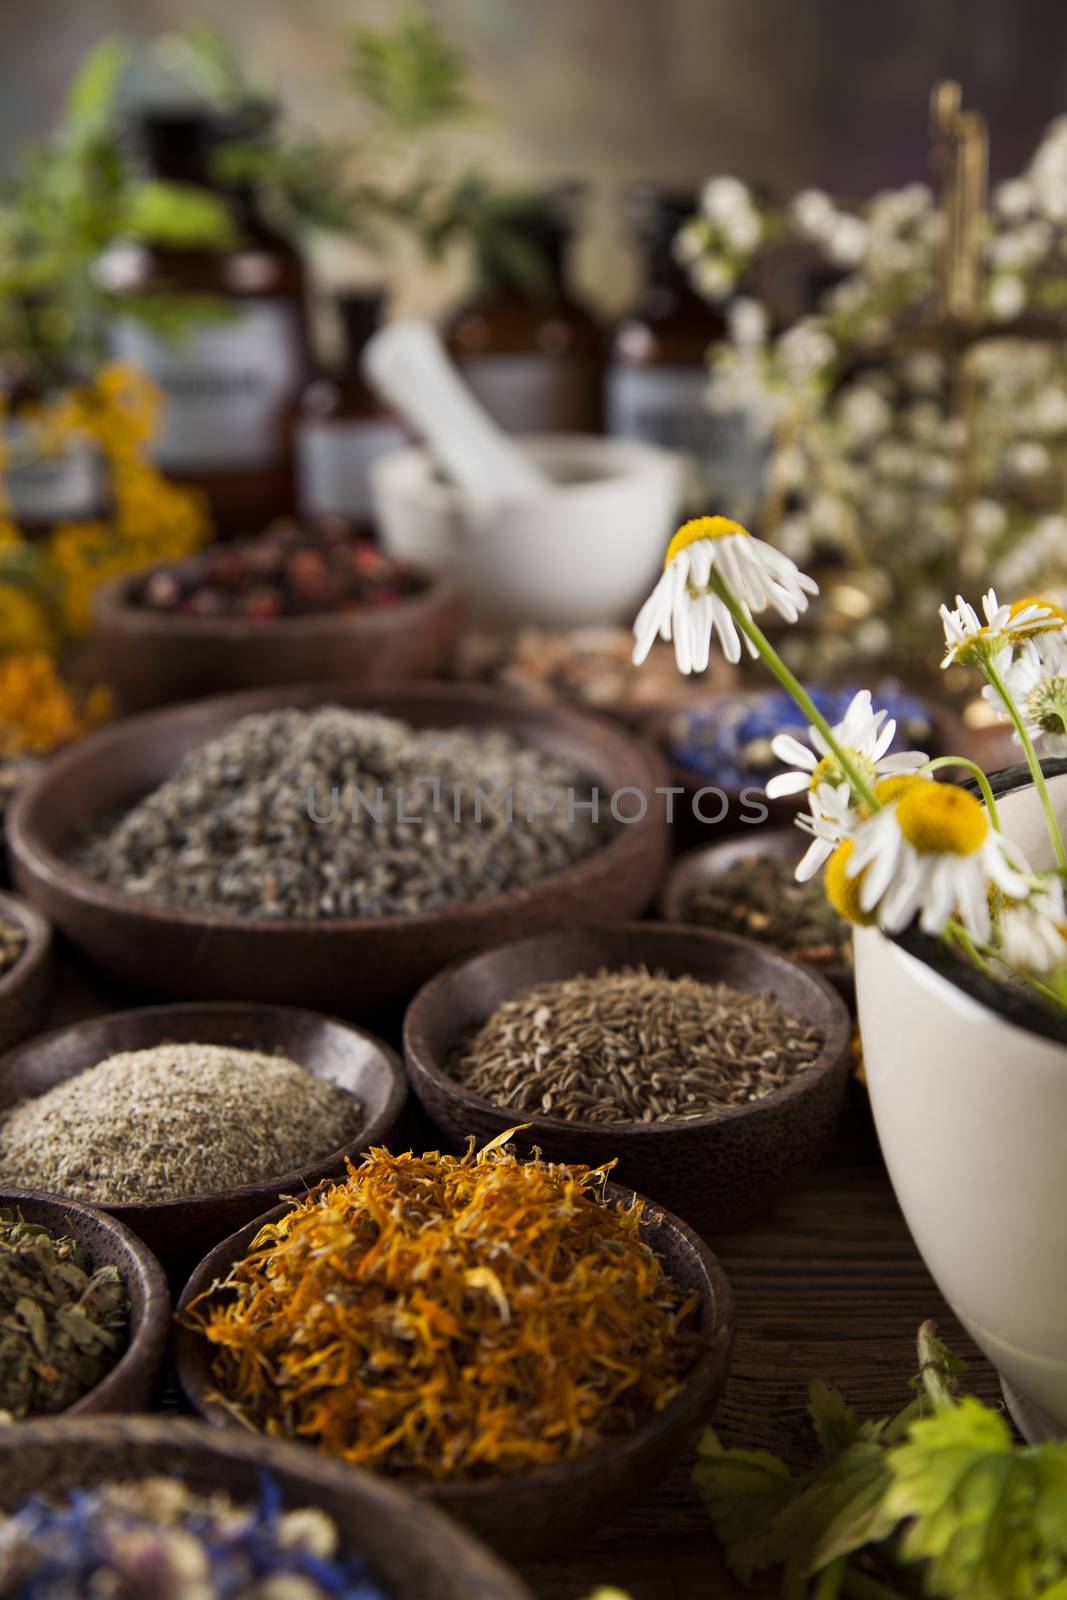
(938, 1500)
(66, 203)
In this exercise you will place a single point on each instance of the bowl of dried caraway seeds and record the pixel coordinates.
(163, 1505)
(747, 885)
(712, 1068)
(183, 1121)
(25, 969)
(84, 1310)
(334, 845)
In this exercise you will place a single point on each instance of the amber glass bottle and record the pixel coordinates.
(342, 426)
(230, 386)
(534, 356)
(656, 385)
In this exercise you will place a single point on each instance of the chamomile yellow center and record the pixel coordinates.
(844, 892)
(890, 790)
(938, 819)
(1051, 623)
(702, 528)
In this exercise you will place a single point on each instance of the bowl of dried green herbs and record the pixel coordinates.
(25, 968)
(712, 1068)
(334, 845)
(521, 1342)
(747, 885)
(84, 1311)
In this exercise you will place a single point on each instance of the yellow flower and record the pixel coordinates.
(37, 711)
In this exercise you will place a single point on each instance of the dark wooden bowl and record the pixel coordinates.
(153, 659)
(697, 867)
(413, 1551)
(547, 1509)
(346, 965)
(131, 1383)
(333, 1050)
(714, 1170)
(25, 987)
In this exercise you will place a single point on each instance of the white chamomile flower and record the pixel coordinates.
(970, 641)
(1032, 934)
(830, 818)
(863, 733)
(933, 854)
(684, 605)
(1035, 677)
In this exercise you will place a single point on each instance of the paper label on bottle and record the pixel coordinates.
(65, 487)
(332, 461)
(224, 386)
(669, 406)
(524, 393)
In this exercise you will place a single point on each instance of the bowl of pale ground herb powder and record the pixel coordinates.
(711, 1068)
(185, 1121)
(335, 845)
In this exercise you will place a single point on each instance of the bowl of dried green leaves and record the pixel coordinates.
(25, 968)
(712, 1068)
(84, 1310)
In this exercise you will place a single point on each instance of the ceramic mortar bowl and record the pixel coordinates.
(691, 871)
(714, 1170)
(349, 966)
(335, 1051)
(152, 658)
(586, 553)
(537, 1512)
(131, 1383)
(25, 987)
(413, 1551)
(968, 1086)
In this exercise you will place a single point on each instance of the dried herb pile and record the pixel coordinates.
(160, 1538)
(63, 1325)
(451, 1317)
(174, 1121)
(760, 899)
(633, 1045)
(267, 820)
(12, 944)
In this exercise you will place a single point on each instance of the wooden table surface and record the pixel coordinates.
(828, 1285)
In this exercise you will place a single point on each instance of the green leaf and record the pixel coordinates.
(990, 1519)
(90, 100)
(206, 60)
(744, 1492)
(842, 1509)
(178, 215)
(410, 73)
(836, 1424)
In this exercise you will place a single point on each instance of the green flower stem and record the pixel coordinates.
(979, 776)
(992, 676)
(793, 686)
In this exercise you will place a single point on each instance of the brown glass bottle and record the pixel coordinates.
(230, 385)
(342, 426)
(656, 385)
(533, 357)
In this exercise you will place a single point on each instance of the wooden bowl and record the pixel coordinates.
(131, 1383)
(714, 1170)
(152, 658)
(544, 1510)
(412, 1550)
(346, 965)
(25, 987)
(697, 867)
(332, 1050)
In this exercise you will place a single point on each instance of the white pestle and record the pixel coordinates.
(408, 366)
